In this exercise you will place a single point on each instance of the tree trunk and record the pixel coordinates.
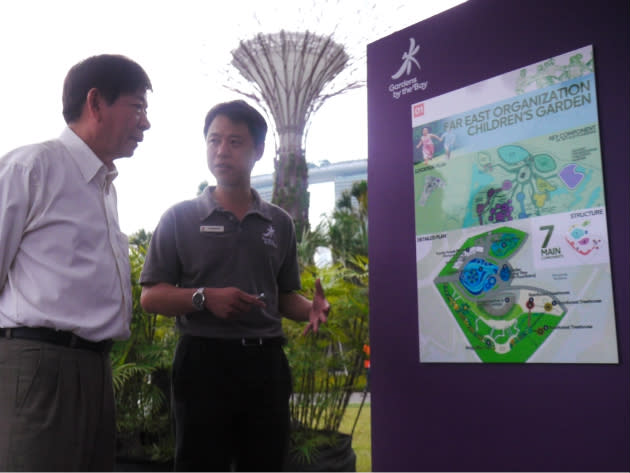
(290, 187)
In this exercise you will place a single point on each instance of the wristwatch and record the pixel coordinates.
(199, 299)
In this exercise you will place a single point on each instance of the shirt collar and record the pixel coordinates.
(88, 163)
(207, 204)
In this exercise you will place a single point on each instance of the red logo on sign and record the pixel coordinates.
(418, 110)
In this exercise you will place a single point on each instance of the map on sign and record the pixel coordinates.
(511, 235)
(502, 321)
(537, 176)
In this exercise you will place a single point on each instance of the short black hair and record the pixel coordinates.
(112, 74)
(239, 111)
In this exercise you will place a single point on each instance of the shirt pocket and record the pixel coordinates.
(221, 243)
(216, 253)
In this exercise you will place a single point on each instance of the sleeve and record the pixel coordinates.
(162, 263)
(15, 202)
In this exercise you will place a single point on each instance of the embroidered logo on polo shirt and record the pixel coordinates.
(211, 229)
(269, 237)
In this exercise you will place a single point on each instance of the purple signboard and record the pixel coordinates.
(506, 415)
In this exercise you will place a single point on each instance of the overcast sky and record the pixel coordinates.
(185, 48)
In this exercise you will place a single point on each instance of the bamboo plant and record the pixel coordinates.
(327, 367)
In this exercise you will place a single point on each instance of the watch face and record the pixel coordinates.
(198, 299)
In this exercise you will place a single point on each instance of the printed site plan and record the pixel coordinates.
(512, 252)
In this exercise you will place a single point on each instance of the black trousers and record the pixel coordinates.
(231, 405)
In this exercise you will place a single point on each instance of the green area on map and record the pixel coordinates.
(540, 176)
(504, 319)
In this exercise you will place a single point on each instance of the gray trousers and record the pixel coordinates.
(56, 408)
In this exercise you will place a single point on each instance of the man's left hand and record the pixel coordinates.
(318, 314)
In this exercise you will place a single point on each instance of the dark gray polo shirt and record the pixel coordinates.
(199, 244)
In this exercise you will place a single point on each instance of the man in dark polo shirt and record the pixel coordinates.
(225, 265)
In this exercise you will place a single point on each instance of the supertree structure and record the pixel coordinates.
(291, 74)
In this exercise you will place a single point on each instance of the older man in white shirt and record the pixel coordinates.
(64, 274)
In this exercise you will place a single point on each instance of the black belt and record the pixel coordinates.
(260, 341)
(245, 341)
(57, 337)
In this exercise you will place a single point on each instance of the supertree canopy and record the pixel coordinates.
(289, 73)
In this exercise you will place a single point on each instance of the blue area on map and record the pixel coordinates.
(559, 191)
(513, 154)
(577, 201)
(594, 197)
(578, 233)
(478, 276)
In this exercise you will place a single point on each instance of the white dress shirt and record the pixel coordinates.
(64, 263)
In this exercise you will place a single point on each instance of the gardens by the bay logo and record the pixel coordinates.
(409, 64)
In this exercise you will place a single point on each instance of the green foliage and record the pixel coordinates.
(139, 242)
(141, 370)
(327, 367)
(308, 244)
(306, 443)
(347, 229)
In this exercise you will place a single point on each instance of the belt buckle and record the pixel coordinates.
(252, 342)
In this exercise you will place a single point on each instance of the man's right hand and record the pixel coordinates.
(226, 302)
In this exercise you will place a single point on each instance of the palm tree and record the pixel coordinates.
(347, 233)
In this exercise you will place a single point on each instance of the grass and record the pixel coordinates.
(362, 438)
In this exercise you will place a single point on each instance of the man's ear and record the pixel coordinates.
(93, 104)
(260, 150)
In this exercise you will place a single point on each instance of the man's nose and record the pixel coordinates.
(144, 122)
(223, 148)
